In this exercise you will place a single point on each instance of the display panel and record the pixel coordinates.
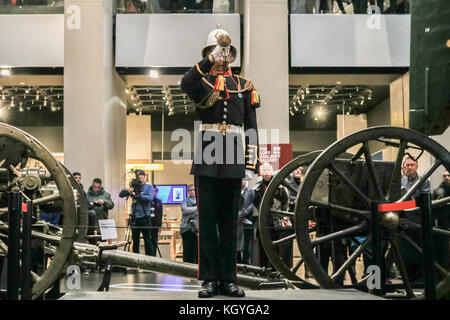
(172, 193)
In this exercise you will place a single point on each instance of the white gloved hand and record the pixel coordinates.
(221, 53)
(249, 174)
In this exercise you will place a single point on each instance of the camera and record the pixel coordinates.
(136, 184)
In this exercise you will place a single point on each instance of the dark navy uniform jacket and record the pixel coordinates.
(231, 157)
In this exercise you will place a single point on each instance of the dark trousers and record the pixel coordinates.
(245, 255)
(218, 205)
(190, 246)
(142, 225)
(154, 233)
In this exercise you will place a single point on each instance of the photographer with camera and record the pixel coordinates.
(140, 220)
(99, 201)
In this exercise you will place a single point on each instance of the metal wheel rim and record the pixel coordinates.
(314, 171)
(52, 273)
(264, 217)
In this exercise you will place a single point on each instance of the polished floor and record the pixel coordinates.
(145, 285)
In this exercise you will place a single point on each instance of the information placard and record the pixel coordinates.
(108, 229)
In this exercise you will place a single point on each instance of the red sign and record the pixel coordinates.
(397, 206)
(277, 155)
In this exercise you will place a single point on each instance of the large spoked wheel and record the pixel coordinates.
(344, 221)
(16, 149)
(271, 247)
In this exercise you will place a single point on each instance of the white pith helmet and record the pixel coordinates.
(211, 42)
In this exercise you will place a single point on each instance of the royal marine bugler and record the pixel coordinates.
(224, 155)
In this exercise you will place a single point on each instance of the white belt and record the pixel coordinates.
(219, 127)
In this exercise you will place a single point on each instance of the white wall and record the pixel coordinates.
(350, 40)
(51, 137)
(169, 40)
(32, 40)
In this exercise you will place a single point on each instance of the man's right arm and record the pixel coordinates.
(124, 193)
(190, 83)
(187, 210)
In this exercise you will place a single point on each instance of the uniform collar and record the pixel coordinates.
(214, 72)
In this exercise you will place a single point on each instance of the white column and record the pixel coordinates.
(94, 108)
(266, 54)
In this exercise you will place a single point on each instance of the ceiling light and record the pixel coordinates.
(154, 74)
(5, 71)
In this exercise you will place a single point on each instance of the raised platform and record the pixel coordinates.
(159, 286)
(310, 294)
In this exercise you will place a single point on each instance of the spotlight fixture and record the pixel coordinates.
(5, 71)
(154, 74)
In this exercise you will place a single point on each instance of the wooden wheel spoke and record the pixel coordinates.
(421, 181)
(395, 179)
(339, 234)
(401, 266)
(372, 173)
(366, 250)
(297, 265)
(348, 263)
(284, 240)
(416, 247)
(434, 229)
(50, 198)
(283, 213)
(352, 186)
(286, 184)
(440, 202)
(327, 205)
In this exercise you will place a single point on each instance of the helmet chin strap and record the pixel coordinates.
(221, 67)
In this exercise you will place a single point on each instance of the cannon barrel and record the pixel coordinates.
(133, 260)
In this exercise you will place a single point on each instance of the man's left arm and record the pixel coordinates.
(147, 193)
(107, 202)
(426, 186)
(251, 102)
(249, 206)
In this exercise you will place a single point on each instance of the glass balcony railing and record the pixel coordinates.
(178, 6)
(31, 6)
(349, 6)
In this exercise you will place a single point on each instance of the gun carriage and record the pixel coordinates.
(335, 203)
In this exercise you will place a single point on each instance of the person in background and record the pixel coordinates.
(443, 221)
(189, 226)
(443, 190)
(411, 177)
(280, 202)
(91, 213)
(245, 224)
(135, 6)
(140, 220)
(412, 259)
(156, 218)
(100, 201)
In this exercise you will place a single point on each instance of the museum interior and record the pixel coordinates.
(353, 98)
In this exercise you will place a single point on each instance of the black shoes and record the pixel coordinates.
(209, 289)
(230, 289)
